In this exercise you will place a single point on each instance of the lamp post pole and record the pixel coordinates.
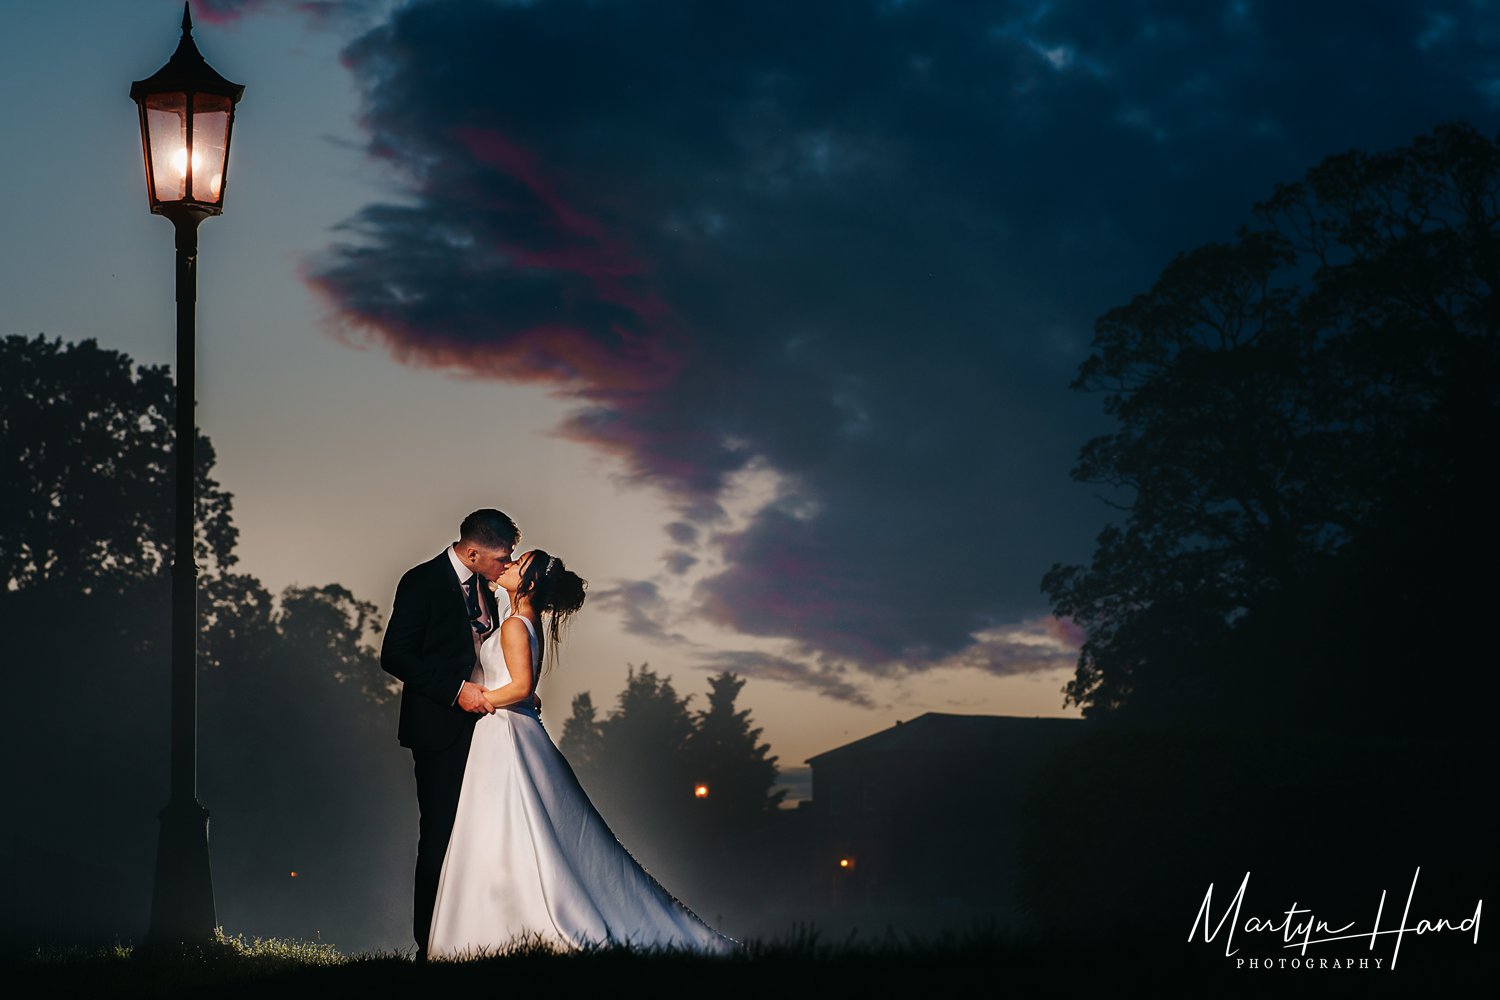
(182, 905)
(184, 568)
(187, 115)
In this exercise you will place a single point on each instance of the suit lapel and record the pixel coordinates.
(450, 578)
(450, 574)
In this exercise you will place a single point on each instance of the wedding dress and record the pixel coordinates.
(531, 858)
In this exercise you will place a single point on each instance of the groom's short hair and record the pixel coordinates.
(489, 528)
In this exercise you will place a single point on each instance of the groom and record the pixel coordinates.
(443, 611)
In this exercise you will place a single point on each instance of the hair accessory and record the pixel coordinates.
(551, 562)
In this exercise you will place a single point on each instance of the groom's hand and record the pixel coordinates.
(471, 699)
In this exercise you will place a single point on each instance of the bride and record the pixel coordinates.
(530, 858)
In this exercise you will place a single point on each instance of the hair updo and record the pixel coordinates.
(553, 588)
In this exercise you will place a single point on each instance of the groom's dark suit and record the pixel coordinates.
(429, 646)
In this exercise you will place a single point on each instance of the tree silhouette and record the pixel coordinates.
(86, 452)
(302, 773)
(1302, 418)
(642, 764)
(738, 771)
(297, 754)
(335, 629)
(298, 761)
(582, 735)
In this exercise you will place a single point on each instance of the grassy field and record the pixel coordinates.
(981, 962)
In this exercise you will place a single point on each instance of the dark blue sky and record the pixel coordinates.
(812, 278)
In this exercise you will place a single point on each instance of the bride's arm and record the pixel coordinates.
(515, 644)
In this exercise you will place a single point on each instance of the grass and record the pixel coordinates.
(121, 970)
(234, 966)
(802, 963)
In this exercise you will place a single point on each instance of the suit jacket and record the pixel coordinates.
(429, 647)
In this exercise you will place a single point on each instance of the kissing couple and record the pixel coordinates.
(510, 847)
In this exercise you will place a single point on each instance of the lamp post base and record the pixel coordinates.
(182, 904)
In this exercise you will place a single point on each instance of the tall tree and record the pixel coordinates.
(333, 628)
(86, 453)
(642, 764)
(298, 760)
(642, 743)
(727, 757)
(583, 735)
(1299, 415)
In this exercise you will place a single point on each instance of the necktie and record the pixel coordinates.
(471, 596)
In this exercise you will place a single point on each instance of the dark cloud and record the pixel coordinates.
(221, 11)
(321, 11)
(1034, 646)
(826, 681)
(855, 245)
(682, 533)
(679, 562)
(641, 610)
(645, 613)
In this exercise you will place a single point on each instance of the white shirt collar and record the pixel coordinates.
(463, 571)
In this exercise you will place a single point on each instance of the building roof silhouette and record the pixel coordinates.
(941, 732)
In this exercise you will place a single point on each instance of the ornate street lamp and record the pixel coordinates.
(187, 114)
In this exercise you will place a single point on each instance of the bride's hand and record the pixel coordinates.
(471, 698)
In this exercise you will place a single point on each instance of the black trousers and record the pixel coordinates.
(440, 777)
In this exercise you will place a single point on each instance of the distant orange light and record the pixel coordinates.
(294, 874)
(846, 862)
(700, 792)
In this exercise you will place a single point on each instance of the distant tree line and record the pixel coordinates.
(672, 780)
(298, 762)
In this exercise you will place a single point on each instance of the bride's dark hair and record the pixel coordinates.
(553, 588)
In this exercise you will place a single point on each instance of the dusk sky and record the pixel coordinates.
(761, 314)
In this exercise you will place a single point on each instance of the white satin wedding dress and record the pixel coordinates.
(531, 858)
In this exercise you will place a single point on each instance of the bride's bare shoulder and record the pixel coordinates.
(517, 623)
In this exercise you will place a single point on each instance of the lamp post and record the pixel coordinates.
(187, 114)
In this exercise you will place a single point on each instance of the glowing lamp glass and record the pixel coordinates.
(173, 124)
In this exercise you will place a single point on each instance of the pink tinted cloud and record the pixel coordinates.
(590, 249)
(814, 617)
(574, 257)
(229, 11)
(1065, 631)
(555, 356)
